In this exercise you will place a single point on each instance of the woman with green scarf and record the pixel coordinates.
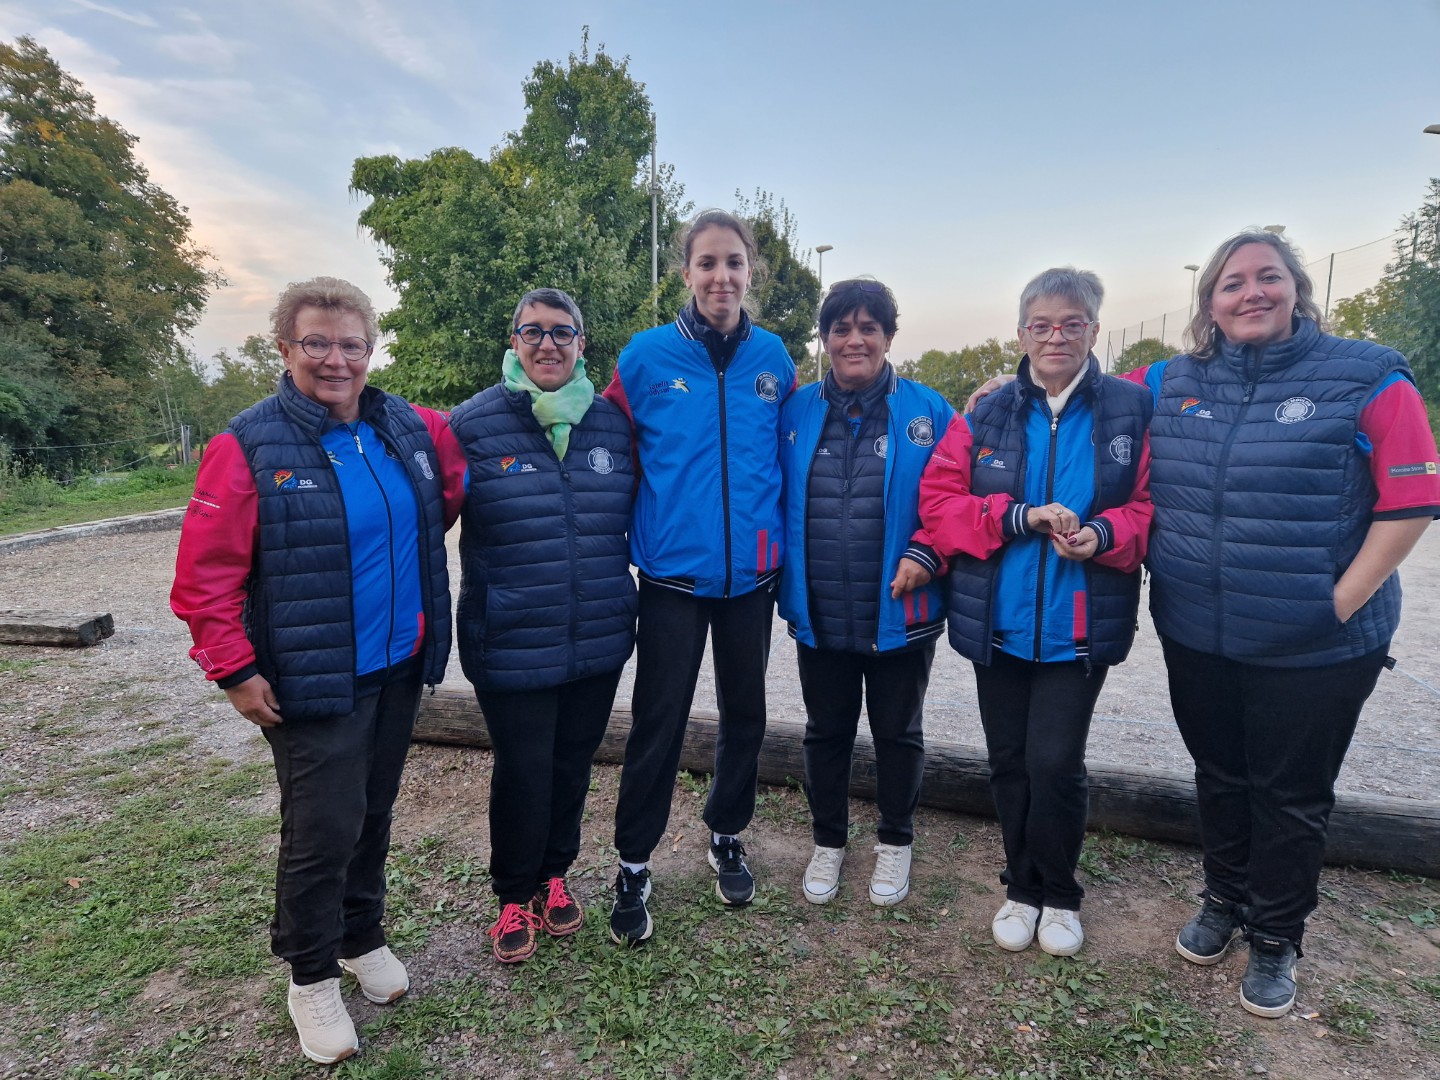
(546, 617)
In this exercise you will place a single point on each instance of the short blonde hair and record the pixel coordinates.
(328, 294)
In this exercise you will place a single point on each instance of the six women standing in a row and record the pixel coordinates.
(1292, 472)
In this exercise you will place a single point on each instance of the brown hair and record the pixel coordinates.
(328, 294)
(1204, 335)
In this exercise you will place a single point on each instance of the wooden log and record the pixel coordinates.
(27, 626)
(1370, 831)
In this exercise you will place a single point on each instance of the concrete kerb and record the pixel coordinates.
(155, 521)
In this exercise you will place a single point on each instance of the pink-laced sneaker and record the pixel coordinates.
(515, 933)
(560, 912)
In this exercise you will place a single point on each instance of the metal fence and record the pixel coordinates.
(1338, 275)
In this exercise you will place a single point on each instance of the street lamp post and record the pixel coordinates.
(1194, 269)
(820, 250)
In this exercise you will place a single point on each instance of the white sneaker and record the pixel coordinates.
(382, 977)
(1060, 933)
(822, 876)
(327, 1034)
(1013, 926)
(890, 883)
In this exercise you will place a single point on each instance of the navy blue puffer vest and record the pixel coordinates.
(998, 422)
(299, 613)
(546, 595)
(1262, 498)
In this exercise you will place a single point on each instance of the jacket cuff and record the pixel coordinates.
(249, 671)
(1103, 531)
(925, 555)
(1015, 521)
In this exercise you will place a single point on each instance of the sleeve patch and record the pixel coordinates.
(1421, 468)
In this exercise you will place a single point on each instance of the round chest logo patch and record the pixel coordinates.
(1295, 409)
(1120, 448)
(921, 431)
(767, 387)
(601, 460)
(882, 445)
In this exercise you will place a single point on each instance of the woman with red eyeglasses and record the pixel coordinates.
(1039, 500)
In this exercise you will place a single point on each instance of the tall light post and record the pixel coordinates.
(1194, 269)
(820, 250)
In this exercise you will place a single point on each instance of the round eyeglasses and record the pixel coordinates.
(1073, 330)
(534, 334)
(318, 347)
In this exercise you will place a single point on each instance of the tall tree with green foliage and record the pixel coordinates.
(957, 375)
(564, 202)
(785, 296)
(99, 277)
(1402, 310)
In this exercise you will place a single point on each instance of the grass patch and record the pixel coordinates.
(37, 502)
(91, 910)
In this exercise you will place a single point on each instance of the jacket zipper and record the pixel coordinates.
(389, 548)
(1252, 378)
(724, 480)
(1045, 547)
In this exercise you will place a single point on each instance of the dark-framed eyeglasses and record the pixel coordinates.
(318, 347)
(534, 334)
(1072, 330)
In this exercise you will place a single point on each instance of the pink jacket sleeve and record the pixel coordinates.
(454, 469)
(952, 520)
(217, 547)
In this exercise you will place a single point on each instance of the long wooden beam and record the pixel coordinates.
(1370, 831)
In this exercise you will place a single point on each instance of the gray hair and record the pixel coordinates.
(1080, 287)
(551, 298)
(1204, 335)
(328, 294)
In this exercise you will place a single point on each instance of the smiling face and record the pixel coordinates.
(856, 345)
(548, 365)
(333, 382)
(718, 274)
(1055, 361)
(1254, 296)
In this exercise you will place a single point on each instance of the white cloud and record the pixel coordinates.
(204, 49)
(114, 13)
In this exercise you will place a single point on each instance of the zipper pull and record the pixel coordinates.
(356, 436)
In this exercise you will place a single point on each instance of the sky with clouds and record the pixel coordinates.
(950, 149)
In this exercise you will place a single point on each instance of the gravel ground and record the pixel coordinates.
(1396, 749)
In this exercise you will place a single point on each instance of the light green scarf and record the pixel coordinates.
(556, 411)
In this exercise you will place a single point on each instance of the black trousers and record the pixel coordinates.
(1268, 744)
(1036, 719)
(544, 742)
(894, 685)
(338, 780)
(669, 645)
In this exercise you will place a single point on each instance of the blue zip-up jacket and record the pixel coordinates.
(707, 514)
(1026, 600)
(350, 570)
(1263, 498)
(917, 417)
(546, 594)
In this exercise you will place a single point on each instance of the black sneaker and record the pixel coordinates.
(1206, 937)
(734, 883)
(630, 919)
(1268, 988)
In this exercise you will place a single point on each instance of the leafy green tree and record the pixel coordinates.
(785, 296)
(1402, 309)
(957, 375)
(1141, 352)
(563, 203)
(99, 274)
